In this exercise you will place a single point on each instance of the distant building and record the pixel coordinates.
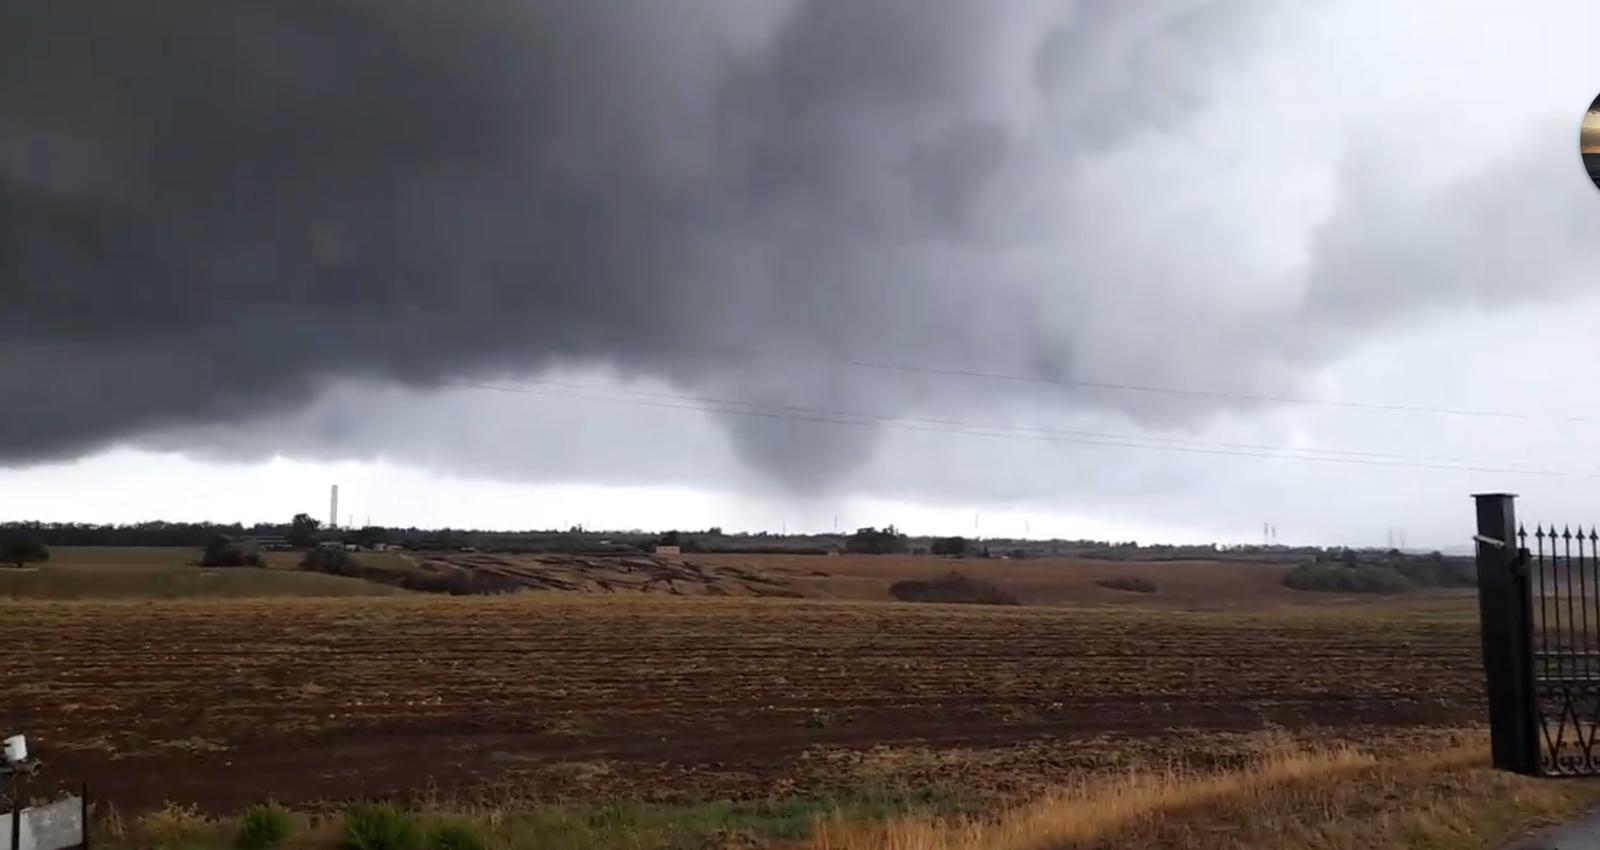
(266, 543)
(330, 544)
(669, 550)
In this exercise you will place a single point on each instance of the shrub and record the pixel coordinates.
(377, 827)
(1337, 578)
(454, 836)
(335, 561)
(262, 826)
(949, 546)
(1435, 570)
(953, 588)
(223, 551)
(1127, 584)
(23, 550)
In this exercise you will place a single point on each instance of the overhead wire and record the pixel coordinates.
(1131, 387)
(769, 411)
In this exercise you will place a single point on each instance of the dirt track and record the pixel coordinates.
(223, 703)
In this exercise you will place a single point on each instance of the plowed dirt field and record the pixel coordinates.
(224, 702)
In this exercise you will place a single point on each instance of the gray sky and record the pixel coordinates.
(761, 263)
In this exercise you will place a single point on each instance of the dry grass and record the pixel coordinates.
(1090, 810)
(1338, 799)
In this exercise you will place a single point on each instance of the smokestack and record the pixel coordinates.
(333, 508)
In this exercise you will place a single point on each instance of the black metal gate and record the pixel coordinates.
(1539, 601)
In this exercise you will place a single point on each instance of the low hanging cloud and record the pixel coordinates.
(212, 211)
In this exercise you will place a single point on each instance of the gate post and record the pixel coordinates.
(1505, 614)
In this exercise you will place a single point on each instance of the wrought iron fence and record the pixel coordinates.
(1539, 607)
(1563, 568)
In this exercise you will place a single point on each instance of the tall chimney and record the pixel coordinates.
(333, 508)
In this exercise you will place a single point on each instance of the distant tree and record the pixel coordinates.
(671, 538)
(303, 531)
(443, 538)
(871, 541)
(949, 546)
(370, 536)
(19, 551)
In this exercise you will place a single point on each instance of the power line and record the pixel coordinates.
(958, 427)
(877, 418)
(1154, 389)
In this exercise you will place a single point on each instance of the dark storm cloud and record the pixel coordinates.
(209, 210)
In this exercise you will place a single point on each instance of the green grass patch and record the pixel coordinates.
(455, 836)
(614, 825)
(262, 827)
(378, 827)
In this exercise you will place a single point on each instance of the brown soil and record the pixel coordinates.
(553, 695)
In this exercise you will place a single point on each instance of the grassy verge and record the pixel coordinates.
(1334, 800)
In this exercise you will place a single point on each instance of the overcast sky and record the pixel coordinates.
(1164, 271)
